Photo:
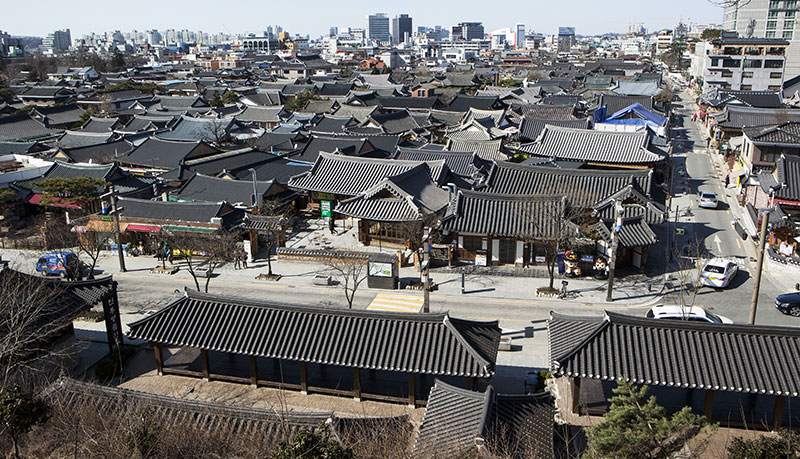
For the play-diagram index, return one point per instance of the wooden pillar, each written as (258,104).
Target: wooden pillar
(470,383)
(253,371)
(303,378)
(158,351)
(412,390)
(204,360)
(777,413)
(357,384)
(709,407)
(575,386)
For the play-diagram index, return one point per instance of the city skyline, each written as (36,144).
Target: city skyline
(543,17)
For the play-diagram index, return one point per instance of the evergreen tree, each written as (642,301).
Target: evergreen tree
(19,413)
(637,427)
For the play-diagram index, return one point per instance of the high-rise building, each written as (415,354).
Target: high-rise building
(566,39)
(767,19)
(334,31)
(59,40)
(154,37)
(401,28)
(467,31)
(520,32)
(378,27)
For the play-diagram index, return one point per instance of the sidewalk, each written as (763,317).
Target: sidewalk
(629,291)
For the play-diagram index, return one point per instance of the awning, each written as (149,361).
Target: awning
(135,227)
(78,229)
(736,173)
(736,142)
(102,226)
(189,229)
(36,198)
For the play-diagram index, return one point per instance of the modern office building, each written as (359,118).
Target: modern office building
(520,35)
(467,31)
(733,62)
(378,27)
(767,19)
(60,40)
(401,28)
(566,39)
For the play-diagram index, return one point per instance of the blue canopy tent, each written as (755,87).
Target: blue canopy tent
(636,114)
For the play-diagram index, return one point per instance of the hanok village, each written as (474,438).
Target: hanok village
(312,212)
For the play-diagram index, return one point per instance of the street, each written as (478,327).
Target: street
(713,229)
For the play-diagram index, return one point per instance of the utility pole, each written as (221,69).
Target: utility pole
(426,262)
(761,244)
(619,209)
(112,195)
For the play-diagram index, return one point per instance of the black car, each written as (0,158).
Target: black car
(789,303)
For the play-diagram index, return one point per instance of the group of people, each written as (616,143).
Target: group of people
(241,260)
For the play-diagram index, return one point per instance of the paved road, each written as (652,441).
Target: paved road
(713,229)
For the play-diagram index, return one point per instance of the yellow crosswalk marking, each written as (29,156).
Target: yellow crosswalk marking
(396,303)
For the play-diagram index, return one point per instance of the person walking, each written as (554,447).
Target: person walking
(243,256)
(237,262)
(331,225)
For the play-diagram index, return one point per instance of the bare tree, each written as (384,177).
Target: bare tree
(351,270)
(203,253)
(32,313)
(281,216)
(216,131)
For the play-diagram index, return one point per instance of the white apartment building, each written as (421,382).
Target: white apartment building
(731,62)
(768,19)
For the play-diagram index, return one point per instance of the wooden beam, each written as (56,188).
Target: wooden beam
(158,351)
(357,384)
(575,386)
(253,371)
(777,413)
(206,368)
(303,378)
(470,383)
(412,390)
(709,407)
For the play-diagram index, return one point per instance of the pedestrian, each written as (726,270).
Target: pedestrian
(727,181)
(332,225)
(237,262)
(244,259)
(708,142)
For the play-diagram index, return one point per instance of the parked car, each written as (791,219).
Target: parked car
(692,313)
(718,273)
(59,263)
(789,303)
(707,199)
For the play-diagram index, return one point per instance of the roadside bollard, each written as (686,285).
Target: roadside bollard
(462,281)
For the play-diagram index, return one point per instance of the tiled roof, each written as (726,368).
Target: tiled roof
(516,425)
(406,102)
(584,187)
(194,129)
(530,128)
(788,171)
(204,188)
(408,196)
(547,112)
(718,97)
(733,117)
(100,125)
(784,134)
(517,217)
(332,124)
(155,152)
(74,139)
(99,154)
(490,150)
(194,212)
(360,113)
(463,103)
(593,146)
(463,163)
(615,103)
(685,354)
(635,231)
(262,114)
(349,176)
(23,127)
(433,344)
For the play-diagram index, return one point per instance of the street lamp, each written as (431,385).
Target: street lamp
(255,192)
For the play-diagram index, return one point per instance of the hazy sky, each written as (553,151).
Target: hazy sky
(315,17)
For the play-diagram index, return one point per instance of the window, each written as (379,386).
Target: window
(727,74)
(789,15)
(773,64)
(790,4)
(787,34)
(746,87)
(769,34)
(747,74)
(753,51)
(772,15)
(774,87)
(774,4)
(752,63)
(788,25)
(775,75)
(731,63)
(715,61)
(473,243)
(772,25)
(732,50)
(776,51)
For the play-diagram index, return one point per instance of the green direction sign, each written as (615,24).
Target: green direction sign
(680,231)
(325,207)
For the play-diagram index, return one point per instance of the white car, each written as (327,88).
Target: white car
(693,313)
(718,273)
(707,199)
